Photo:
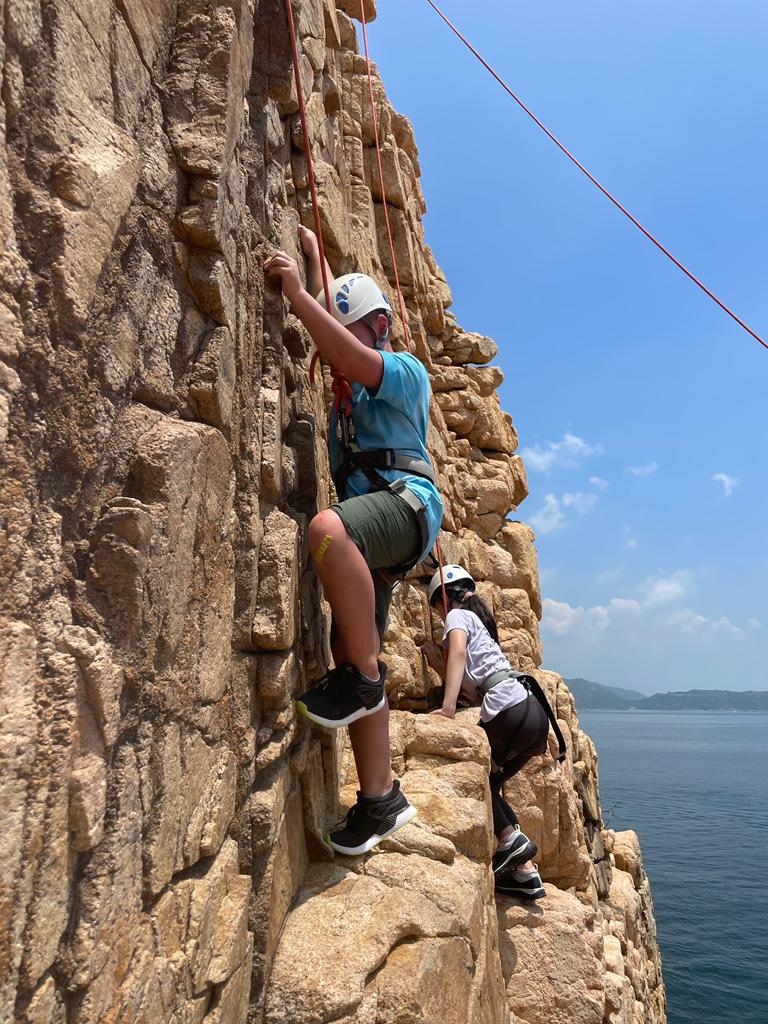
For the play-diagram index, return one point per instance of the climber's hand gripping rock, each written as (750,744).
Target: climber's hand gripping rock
(282,266)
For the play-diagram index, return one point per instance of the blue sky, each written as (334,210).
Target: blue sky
(640,405)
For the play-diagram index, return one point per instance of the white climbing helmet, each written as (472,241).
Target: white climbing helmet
(354,296)
(451,574)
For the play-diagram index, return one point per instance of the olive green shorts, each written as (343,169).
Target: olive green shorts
(386,531)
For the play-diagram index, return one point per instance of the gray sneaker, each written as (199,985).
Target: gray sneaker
(525,886)
(515,849)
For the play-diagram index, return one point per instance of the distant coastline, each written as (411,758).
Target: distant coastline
(598,697)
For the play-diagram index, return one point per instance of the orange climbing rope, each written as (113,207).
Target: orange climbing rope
(342,389)
(400,299)
(375,120)
(594,180)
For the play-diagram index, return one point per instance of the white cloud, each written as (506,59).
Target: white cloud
(589,623)
(599,483)
(563,618)
(754,623)
(691,621)
(610,575)
(579,501)
(658,590)
(551,515)
(647,470)
(628,618)
(728,482)
(631,542)
(566,452)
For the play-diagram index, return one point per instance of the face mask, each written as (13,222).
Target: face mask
(381,339)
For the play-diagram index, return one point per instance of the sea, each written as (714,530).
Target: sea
(693,786)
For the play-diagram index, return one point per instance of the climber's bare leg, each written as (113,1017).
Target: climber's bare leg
(348,587)
(370,744)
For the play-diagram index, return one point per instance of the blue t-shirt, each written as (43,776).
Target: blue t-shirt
(394,416)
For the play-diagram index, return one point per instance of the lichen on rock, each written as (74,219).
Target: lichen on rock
(163,451)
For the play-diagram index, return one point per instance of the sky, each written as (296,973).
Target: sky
(641,406)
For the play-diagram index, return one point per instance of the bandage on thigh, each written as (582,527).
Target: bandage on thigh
(322,547)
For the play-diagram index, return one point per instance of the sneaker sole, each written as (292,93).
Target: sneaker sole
(407,814)
(528,852)
(522,894)
(337,723)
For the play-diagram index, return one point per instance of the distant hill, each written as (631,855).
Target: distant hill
(592,696)
(597,696)
(707,700)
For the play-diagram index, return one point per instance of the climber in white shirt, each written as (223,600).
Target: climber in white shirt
(513,714)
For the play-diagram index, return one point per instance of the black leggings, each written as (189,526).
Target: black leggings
(516,735)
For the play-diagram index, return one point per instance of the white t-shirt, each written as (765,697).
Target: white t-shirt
(484,657)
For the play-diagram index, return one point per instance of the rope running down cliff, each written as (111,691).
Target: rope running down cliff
(594,180)
(342,389)
(374,119)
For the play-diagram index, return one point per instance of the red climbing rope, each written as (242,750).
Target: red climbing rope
(594,180)
(342,389)
(375,119)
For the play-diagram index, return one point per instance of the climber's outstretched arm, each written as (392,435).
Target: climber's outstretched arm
(311,250)
(454,672)
(339,345)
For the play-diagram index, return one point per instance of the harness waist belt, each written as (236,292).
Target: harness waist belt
(534,689)
(390,458)
(499,677)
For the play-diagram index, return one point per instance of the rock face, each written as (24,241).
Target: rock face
(162,453)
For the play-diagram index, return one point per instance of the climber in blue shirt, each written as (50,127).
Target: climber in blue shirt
(386,520)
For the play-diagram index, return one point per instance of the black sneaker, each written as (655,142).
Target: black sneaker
(370,820)
(524,886)
(343,695)
(515,849)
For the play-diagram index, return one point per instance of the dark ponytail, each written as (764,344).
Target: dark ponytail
(469,600)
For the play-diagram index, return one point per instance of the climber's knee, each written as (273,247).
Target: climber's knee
(324,529)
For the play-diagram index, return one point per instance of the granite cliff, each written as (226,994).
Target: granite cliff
(162,453)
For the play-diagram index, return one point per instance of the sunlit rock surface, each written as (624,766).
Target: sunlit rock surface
(162,452)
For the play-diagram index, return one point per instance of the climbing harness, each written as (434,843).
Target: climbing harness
(372,460)
(532,686)
(594,180)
